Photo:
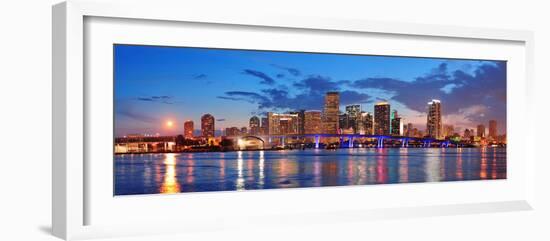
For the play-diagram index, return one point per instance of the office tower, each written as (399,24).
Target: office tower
(409,130)
(343,121)
(467,133)
(434,123)
(207,126)
(232,131)
(188,128)
(448,131)
(265,126)
(382,118)
(353,120)
(300,123)
(396,124)
(480,130)
(312,122)
(244,130)
(282,124)
(493,133)
(368,123)
(330,113)
(254,125)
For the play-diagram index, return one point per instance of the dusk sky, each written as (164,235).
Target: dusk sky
(154,85)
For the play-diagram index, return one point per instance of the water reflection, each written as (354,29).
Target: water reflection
(197,172)
(170,183)
(240,179)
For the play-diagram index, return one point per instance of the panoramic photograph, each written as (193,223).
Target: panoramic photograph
(189,119)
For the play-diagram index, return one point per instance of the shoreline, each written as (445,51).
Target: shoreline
(297,149)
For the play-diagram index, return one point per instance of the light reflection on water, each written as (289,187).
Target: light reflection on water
(246,170)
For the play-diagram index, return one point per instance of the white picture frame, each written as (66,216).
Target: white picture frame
(72,191)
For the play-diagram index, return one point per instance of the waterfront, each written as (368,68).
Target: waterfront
(250,170)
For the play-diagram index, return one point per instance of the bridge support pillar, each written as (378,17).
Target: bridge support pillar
(317,141)
(380,142)
(283,140)
(350,142)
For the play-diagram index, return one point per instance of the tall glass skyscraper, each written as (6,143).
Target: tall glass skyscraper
(382,118)
(188,128)
(207,126)
(434,123)
(330,113)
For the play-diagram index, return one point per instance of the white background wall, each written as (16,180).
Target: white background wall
(25,119)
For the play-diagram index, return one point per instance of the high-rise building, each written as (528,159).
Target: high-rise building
(265,126)
(232,131)
(300,114)
(493,133)
(434,123)
(382,118)
(396,124)
(409,130)
(368,123)
(207,126)
(254,125)
(188,128)
(312,122)
(330,113)
(467,134)
(244,130)
(353,119)
(448,130)
(343,121)
(481,130)
(281,124)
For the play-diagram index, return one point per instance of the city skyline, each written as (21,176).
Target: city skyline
(179,87)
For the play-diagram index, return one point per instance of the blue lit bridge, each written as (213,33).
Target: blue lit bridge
(348,139)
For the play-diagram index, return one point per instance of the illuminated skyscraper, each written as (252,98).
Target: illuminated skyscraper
(480,130)
(493,133)
(188,128)
(396,124)
(353,119)
(382,118)
(368,123)
(300,120)
(448,130)
(244,130)
(254,125)
(330,113)
(232,131)
(281,124)
(207,126)
(409,130)
(312,122)
(265,126)
(434,123)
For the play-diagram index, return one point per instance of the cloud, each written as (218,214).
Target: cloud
(310,95)
(467,117)
(220,119)
(457,90)
(293,71)
(265,79)
(200,76)
(280,76)
(164,99)
(317,84)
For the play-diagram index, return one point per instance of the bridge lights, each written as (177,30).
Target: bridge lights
(240,143)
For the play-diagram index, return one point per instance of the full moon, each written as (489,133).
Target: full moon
(169,123)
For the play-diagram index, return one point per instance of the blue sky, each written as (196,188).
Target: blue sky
(154,85)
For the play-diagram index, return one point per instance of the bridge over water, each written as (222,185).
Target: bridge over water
(426,142)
